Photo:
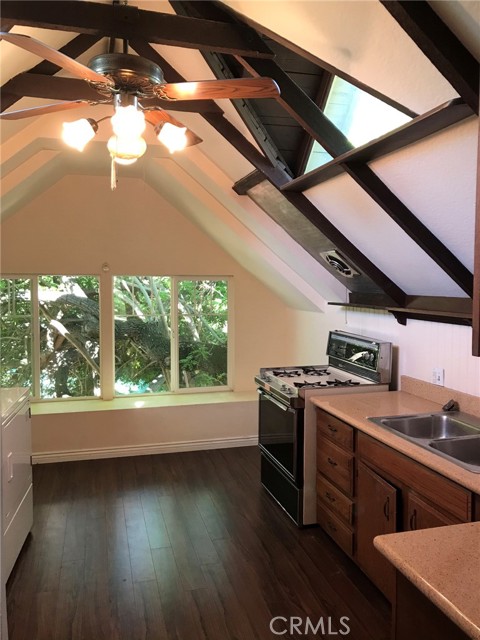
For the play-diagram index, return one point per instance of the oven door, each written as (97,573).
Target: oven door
(280,436)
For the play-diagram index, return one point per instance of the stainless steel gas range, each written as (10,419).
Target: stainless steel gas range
(287,425)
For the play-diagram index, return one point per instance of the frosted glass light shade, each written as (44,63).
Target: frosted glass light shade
(126,150)
(79,132)
(173,137)
(128,122)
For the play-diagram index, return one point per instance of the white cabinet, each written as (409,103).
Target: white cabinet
(16,493)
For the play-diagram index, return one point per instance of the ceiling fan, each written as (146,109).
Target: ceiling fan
(123,80)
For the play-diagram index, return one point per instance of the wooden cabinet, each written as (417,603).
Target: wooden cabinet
(365,489)
(422,515)
(335,479)
(376,515)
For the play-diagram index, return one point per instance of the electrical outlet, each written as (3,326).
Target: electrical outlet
(438,376)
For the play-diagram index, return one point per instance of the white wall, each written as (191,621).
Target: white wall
(79,224)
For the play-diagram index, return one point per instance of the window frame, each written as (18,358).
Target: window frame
(107,337)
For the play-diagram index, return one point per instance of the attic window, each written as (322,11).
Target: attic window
(359,116)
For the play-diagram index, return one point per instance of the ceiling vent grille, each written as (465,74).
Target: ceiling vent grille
(338,262)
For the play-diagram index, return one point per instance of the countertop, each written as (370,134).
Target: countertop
(10,400)
(355,408)
(444,564)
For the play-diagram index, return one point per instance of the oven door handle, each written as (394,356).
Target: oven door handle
(268,397)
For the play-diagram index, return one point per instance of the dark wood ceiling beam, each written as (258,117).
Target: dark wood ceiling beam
(323,91)
(221,69)
(129,22)
(431,122)
(274,174)
(73,49)
(411,225)
(312,213)
(56,88)
(300,106)
(307,208)
(440,45)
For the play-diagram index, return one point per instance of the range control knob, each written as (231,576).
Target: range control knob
(284,387)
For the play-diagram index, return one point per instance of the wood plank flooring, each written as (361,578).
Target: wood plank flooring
(178,547)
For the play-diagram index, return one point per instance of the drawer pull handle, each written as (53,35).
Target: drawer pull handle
(332,429)
(332,462)
(10,467)
(331,526)
(329,497)
(413,520)
(386,509)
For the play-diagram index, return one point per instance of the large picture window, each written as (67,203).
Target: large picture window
(165,334)
(150,356)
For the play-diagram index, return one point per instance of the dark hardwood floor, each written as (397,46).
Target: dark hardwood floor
(178,547)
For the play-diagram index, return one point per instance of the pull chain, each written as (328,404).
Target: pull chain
(113,176)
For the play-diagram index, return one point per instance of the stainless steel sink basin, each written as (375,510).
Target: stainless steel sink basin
(453,435)
(430,427)
(466,450)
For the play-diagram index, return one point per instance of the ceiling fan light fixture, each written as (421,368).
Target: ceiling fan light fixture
(77,134)
(126,150)
(128,122)
(173,137)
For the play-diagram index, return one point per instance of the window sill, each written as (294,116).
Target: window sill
(141,402)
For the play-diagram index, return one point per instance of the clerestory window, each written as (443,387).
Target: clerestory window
(358,115)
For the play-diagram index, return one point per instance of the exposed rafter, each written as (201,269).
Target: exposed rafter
(129,22)
(422,126)
(301,107)
(440,45)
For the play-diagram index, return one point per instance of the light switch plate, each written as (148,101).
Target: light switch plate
(438,376)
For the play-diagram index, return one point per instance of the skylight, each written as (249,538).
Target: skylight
(358,115)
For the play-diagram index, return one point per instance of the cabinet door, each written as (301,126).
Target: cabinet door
(421,515)
(376,515)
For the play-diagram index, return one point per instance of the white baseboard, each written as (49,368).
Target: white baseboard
(142,450)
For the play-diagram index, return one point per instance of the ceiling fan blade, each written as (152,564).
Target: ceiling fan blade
(158,116)
(41,111)
(56,57)
(217,89)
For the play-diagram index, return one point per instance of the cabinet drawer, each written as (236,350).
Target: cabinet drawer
(336,464)
(335,528)
(335,430)
(334,499)
(443,493)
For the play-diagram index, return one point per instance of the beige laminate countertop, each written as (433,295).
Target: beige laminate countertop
(355,408)
(444,564)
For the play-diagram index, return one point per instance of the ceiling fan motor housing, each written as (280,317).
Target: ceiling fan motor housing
(131,74)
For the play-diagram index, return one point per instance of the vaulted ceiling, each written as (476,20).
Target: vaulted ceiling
(400,210)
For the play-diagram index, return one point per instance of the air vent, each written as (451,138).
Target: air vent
(339,263)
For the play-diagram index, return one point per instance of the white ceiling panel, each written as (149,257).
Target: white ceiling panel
(436,180)
(374,233)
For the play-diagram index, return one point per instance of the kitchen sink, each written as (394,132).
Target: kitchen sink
(465,449)
(451,434)
(429,426)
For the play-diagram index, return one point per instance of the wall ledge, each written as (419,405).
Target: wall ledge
(141,450)
(140,402)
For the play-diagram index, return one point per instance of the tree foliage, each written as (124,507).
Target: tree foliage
(69,315)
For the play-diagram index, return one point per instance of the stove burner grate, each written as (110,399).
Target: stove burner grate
(287,373)
(315,371)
